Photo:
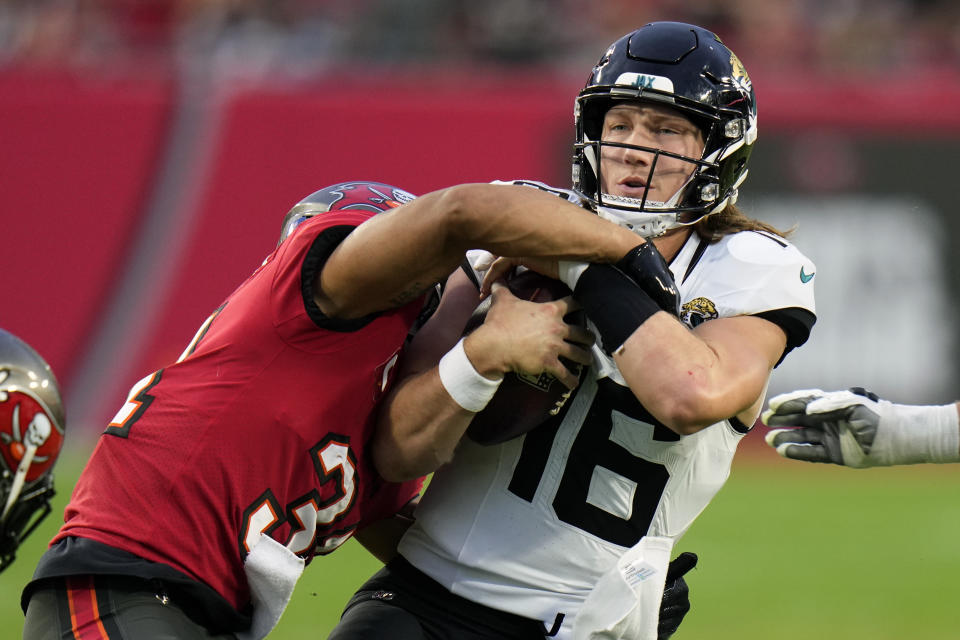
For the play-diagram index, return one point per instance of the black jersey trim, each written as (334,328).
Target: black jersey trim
(697,254)
(738,425)
(770,236)
(430,304)
(323,245)
(471,272)
(796,322)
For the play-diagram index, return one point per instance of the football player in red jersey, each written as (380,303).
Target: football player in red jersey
(228,469)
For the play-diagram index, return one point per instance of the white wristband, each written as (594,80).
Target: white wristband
(569,272)
(465,385)
(911,434)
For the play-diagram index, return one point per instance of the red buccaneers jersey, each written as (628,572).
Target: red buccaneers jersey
(261,426)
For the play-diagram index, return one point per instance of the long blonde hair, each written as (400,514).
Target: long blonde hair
(731,220)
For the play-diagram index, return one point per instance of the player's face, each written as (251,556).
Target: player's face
(626,172)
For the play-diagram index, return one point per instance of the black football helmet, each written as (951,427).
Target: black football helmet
(689,69)
(31,436)
(362,194)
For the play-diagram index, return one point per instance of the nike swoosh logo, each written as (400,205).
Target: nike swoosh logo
(804,278)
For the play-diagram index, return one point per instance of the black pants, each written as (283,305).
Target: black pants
(401,603)
(108,607)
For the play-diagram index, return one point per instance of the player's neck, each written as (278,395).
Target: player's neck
(669,244)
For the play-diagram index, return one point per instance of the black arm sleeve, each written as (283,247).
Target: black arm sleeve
(614,302)
(796,322)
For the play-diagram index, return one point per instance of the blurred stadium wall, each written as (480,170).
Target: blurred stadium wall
(134,201)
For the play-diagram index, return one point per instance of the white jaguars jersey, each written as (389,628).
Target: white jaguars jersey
(530,525)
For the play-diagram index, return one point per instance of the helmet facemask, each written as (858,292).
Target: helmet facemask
(645,215)
(31,506)
(688,70)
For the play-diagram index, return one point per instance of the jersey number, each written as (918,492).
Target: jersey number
(599,457)
(138,400)
(333,461)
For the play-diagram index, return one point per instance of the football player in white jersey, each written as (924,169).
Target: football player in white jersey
(566,531)
(856,428)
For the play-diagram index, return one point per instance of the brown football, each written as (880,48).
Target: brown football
(522,403)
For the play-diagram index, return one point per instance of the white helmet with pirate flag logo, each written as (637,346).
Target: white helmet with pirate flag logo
(31,436)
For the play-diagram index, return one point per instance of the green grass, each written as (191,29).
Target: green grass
(790,550)
(787,551)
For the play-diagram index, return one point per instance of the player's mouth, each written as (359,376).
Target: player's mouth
(632,186)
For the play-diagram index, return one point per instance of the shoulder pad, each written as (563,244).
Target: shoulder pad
(752,272)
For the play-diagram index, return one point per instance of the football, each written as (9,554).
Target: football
(523,402)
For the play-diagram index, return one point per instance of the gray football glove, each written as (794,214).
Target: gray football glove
(855,428)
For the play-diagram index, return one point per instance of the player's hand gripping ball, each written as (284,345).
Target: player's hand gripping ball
(524,402)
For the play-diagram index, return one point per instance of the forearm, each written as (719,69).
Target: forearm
(691,379)
(418,428)
(406,444)
(687,380)
(510,220)
(393,257)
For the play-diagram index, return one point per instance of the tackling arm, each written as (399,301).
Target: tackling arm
(393,257)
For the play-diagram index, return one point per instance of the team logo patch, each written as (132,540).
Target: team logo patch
(698,311)
(541,381)
(740,77)
(368,197)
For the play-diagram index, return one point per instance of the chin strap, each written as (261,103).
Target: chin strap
(645,224)
(650,224)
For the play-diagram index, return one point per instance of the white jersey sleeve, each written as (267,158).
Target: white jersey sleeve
(747,273)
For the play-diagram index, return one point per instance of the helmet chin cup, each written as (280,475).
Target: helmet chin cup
(647,224)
